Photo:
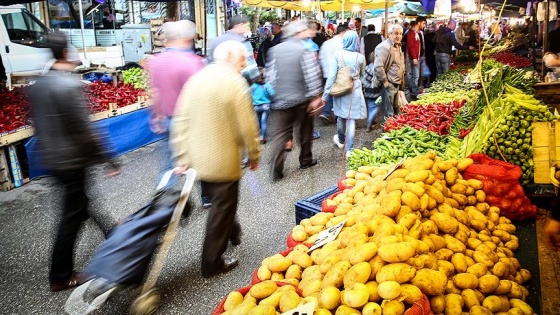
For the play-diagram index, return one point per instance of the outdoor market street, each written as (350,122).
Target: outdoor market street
(266,212)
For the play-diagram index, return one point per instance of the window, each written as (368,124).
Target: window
(23,28)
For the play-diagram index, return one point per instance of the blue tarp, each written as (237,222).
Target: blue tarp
(408,8)
(126,133)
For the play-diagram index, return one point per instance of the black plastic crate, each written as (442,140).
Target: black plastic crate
(310,206)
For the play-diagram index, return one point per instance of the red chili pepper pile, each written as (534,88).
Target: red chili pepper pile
(434,117)
(99,95)
(513,60)
(14,109)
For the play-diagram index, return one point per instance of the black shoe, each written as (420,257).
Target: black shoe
(277,176)
(227,265)
(308,165)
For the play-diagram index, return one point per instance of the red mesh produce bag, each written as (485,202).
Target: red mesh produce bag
(342,185)
(255,277)
(501,186)
(290,242)
(324,206)
(420,307)
(220,308)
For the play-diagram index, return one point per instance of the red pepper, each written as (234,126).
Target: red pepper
(464,132)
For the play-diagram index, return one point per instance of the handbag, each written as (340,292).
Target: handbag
(344,83)
(401,99)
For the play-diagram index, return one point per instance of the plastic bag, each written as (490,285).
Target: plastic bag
(425,70)
(501,186)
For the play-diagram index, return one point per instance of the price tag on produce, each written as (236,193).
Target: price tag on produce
(394,168)
(305,309)
(327,236)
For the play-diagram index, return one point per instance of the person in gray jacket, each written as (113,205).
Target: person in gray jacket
(296,76)
(238,26)
(389,69)
(67,144)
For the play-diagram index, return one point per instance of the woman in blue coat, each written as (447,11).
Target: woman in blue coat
(351,106)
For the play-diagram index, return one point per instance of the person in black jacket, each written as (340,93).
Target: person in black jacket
(430,52)
(369,42)
(67,144)
(445,40)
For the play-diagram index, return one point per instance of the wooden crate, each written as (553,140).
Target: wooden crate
(548,93)
(6,182)
(18,135)
(546,147)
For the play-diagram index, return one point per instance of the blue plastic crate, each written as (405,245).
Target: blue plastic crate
(310,206)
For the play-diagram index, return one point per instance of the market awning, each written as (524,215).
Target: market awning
(329,5)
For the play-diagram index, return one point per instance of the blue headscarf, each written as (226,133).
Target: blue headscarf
(350,41)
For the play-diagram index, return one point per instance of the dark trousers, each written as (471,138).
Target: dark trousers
(282,128)
(74,212)
(221,224)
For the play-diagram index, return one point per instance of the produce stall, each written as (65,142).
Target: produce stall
(118,107)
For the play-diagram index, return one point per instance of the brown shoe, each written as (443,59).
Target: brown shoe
(74,281)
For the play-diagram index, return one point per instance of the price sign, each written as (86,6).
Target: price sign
(327,236)
(305,309)
(394,168)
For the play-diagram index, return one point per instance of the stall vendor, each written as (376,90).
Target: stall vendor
(552,61)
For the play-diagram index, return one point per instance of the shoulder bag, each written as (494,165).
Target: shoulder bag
(344,83)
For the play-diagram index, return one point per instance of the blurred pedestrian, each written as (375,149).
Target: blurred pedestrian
(415,50)
(295,74)
(238,28)
(265,45)
(277,33)
(262,93)
(371,94)
(444,41)
(351,106)
(213,124)
(68,144)
(369,42)
(326,55)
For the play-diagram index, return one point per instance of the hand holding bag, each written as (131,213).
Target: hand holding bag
(315,106)
(344,83)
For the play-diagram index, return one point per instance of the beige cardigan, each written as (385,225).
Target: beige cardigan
(214,123)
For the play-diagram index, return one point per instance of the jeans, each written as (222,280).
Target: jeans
(414,76)
(442,63)
(327,110)
(346,128)
(262,115)
(372,111)
(389,100)
(74,212)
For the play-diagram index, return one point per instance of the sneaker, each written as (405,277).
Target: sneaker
(316,135)
(338,144)
(206,202)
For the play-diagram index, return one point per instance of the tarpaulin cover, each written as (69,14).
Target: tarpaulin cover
(126,132)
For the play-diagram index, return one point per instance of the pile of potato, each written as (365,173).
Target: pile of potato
(423,230)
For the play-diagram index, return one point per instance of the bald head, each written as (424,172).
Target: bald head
(231,53)
(179,34)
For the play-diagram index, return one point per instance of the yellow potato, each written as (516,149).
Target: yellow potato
(355,297)
(233,299)
(359,273)
(445,222)
(393,307)
(263,310)
(302,259)
(504,287)
(263,289)
(398,252)
(459,262)
(273,300)
(311,287)
(391,204)
(454,244)
(335,275)
(437,304)
(470,298)
(399,272)
(329,297)
(410,293)
(451,176)
(346,310)
(389,290)
(463,163)
(520,304)
(488,283)
(478,269)
(288,301)
(371,308)
(465,281)
(453,304)
(430,282)
(417,176)
(244,308)
(479,310)
(363,253)
(492,303)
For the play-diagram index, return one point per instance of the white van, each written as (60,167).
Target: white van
(23,42)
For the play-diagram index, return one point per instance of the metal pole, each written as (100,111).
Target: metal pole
(82,27)
(546,3)
(342,11)
(386,19)
(205,28)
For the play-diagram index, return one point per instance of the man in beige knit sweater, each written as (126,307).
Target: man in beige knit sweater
(213,126)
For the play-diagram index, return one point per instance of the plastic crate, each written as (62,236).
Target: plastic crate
(310,206)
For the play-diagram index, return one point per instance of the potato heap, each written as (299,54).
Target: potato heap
(424,229)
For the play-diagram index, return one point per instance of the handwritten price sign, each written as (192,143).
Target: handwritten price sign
(327,236)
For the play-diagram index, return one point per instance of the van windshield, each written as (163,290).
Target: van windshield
(23,28)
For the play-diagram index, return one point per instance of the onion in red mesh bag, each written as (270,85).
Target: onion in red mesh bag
(420,307)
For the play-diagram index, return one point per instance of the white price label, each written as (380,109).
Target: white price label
(327,236)
(305,309)
(394,168)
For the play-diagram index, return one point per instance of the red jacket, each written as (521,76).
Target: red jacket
(413,44)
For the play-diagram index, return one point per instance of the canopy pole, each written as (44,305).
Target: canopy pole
(546,3)
(386,27)
(82,27)
(342,11)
